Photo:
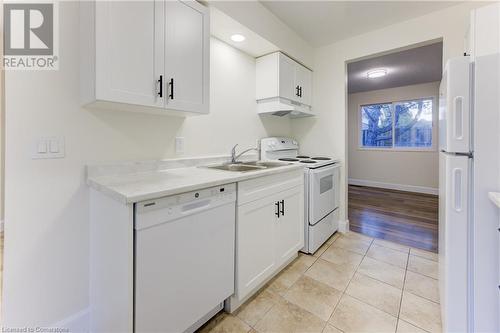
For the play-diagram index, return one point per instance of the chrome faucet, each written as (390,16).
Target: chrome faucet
(234,157)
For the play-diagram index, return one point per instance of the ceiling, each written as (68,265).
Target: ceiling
(223,27)
(324,22)
(418,65)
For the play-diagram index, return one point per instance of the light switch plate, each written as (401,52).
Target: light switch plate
(49,147)
(179,145)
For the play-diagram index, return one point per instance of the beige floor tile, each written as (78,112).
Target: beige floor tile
(330,329)
(358,236)
(333,238)
(392,245)
(357,245)
(379,294)
(255,309)
(322,249)
(341,257)
(381,271)
(287,277)
(420,312)
(388,255)
(352,315)
(404,327)
(423,266)
(225,323)
(424,254)
(288,317)
(305,259)
(333,275)
(422,285)
(314,296)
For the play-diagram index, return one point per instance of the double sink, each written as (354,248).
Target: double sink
(247,166)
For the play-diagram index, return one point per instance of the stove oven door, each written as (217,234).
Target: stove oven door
(323,192)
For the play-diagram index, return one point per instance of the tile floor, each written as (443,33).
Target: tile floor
(353,283)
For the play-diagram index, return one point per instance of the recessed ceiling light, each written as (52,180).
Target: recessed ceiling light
(237,38)
(376,73)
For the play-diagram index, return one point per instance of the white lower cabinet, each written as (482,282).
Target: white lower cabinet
(269,230)
(289,227)
(255,242)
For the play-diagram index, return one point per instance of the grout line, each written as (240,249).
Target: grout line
(349,282)
(403,289)
(427,299)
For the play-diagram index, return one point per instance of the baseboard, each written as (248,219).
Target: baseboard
(399,187)
(76,323)
(344,226)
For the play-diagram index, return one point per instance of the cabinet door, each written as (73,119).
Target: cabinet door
(290,225)
(303,78)
(129,58)
(255,243)
(187,54)
(287,84)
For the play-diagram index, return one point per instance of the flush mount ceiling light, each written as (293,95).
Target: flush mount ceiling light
(373,74)
(237,38)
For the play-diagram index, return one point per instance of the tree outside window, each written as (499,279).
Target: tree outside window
(405,124)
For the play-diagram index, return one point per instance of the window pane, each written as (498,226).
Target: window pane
(376,125)
(413,123)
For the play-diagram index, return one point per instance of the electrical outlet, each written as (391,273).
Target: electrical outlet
(179,145)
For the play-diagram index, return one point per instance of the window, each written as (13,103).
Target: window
(397,125)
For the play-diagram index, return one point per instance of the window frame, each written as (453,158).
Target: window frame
(432,148)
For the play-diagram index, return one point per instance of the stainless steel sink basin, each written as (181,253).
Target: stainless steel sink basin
(237,167)
(247,166)
(267,164)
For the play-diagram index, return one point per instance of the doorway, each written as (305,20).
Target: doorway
(393,168)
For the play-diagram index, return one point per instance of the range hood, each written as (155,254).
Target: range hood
(281,107)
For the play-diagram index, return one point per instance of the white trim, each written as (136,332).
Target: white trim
(343,226)
(77,322)
(399,187)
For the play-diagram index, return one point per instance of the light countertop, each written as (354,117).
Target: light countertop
(139,186)
(495,197)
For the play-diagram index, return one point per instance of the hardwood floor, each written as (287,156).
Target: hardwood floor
(402,217)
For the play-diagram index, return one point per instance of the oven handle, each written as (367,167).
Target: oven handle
(325,170)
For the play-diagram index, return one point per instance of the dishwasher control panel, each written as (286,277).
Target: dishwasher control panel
(150,212)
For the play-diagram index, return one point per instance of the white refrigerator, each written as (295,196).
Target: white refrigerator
(468,170)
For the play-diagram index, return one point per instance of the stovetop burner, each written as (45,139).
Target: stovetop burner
(321,158)
(303,156)
(308,161)
(288,159)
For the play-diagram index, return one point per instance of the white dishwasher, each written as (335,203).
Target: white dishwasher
(184,259)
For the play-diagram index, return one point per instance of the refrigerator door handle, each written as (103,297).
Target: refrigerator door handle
(457,189)
(458,124)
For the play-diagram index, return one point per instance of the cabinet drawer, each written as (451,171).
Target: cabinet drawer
(254,189)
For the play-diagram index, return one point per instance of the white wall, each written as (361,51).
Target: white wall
(327,133)
(46,229)
(418,169)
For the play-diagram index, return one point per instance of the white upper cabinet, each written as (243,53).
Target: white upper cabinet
(286,84)
(150,56)
(279,76)
(187,56)
(303,82)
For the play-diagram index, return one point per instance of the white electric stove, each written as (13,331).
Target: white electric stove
(321,192)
